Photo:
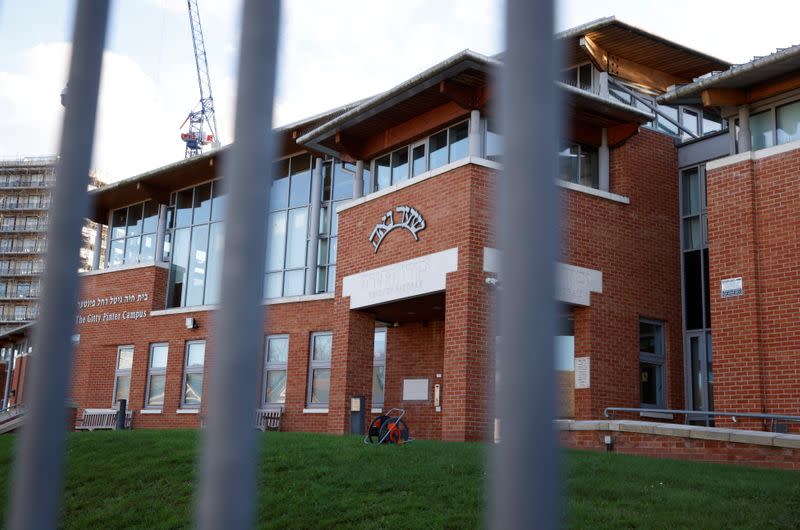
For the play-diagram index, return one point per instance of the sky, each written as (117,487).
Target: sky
(332,52)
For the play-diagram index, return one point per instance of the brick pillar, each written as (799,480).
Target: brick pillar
(351,365)
(467,400)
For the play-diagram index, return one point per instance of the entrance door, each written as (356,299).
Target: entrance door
(699,375)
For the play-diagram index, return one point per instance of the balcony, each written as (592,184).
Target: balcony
(40,227)
(37,206)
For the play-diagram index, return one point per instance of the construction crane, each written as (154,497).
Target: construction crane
(202,122)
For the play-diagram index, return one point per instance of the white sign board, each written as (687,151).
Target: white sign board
(415,389)
(582,372)
(405,279)
(732,287)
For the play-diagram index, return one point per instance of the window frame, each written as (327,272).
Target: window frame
(317,365)
(274,367)
(122,372)
(187,370)
(155,371)
(380,362)
(656,359)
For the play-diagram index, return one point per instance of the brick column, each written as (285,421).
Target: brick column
(467,397)
(351,365)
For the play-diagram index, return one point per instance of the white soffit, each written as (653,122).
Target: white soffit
(398,281)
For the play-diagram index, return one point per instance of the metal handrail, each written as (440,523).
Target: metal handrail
(608,413)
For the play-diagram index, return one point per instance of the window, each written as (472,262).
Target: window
(319,373)
(193,374)
(276,357)
(442,148)
(337,187)
(287,227)
(493,142)
(197,242)
(156,376)
(577,163)
(788,117)
(379,368)
(578,76)
(761,130)
(122,375)
(651,363)
(133,234)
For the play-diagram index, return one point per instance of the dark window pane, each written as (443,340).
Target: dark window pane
(279,195)
(706,289)
(650,375)
(586,77)
(437,150)
(590,175)
(384,173)
(180,260)
(202,203)
(788,118)
(693,285)
(118,223)
(399,165)
(218,200)
(135,220)
(459,141)
(418,160)
(691,192)
(301,181)
(327,182)
(651,338)
(569,77)
(342,183)
(183,208)
(568,162)
(150,217)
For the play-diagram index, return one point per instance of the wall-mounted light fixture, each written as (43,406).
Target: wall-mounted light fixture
(191,323)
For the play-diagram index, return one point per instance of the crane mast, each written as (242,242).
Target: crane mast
(202,122)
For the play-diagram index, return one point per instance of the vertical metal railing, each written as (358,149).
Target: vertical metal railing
(524,475)
(40,448)
(524,481)
(227,469)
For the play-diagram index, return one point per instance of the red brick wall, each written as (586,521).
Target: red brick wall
(637,248)
(753,220)
(660,446)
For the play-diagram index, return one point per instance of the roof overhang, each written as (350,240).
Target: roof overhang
(14,335)
(742,84)
(636,55)
(587,114)
(461,81)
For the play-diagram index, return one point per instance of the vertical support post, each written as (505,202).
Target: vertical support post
(604,161)
(98,247)
(313,228)
(474,138)
(526,319)
(744,129)
(40,448)
(9,370)
(161,231)
(110,235)
(226,496)
(358,181)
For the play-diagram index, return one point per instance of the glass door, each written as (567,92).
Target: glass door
(700,376)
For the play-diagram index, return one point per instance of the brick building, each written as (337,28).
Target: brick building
(381,269)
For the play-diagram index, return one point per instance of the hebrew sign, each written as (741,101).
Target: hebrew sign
(410,219)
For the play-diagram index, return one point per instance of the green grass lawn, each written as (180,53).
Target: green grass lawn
(146,479)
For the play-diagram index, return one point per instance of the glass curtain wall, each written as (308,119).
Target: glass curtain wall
(133,234)
(337,187)
(197,245)
(696,290)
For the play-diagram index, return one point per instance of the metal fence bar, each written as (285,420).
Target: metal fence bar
(40,449)
(228,461)
(609,413)
(525,478)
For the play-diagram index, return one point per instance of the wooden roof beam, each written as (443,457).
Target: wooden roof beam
(156,193)
(718,97)
(466,97)
(627,69)
(346,145)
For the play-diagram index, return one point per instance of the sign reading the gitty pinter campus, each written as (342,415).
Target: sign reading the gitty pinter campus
(111,316)
(410,219)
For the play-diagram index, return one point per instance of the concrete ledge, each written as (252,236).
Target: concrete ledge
(679,430)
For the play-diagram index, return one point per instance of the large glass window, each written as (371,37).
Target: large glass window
(276,358)
(761,130)
(788,117)
(337,177)
(196,245)
(287,228)
(133,234)
(379,368)
(449,145)
(156,376)
(577,163)
(122,374)
(651,363)
(319,373)
(193,374)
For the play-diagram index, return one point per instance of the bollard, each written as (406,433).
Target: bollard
(123,405)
